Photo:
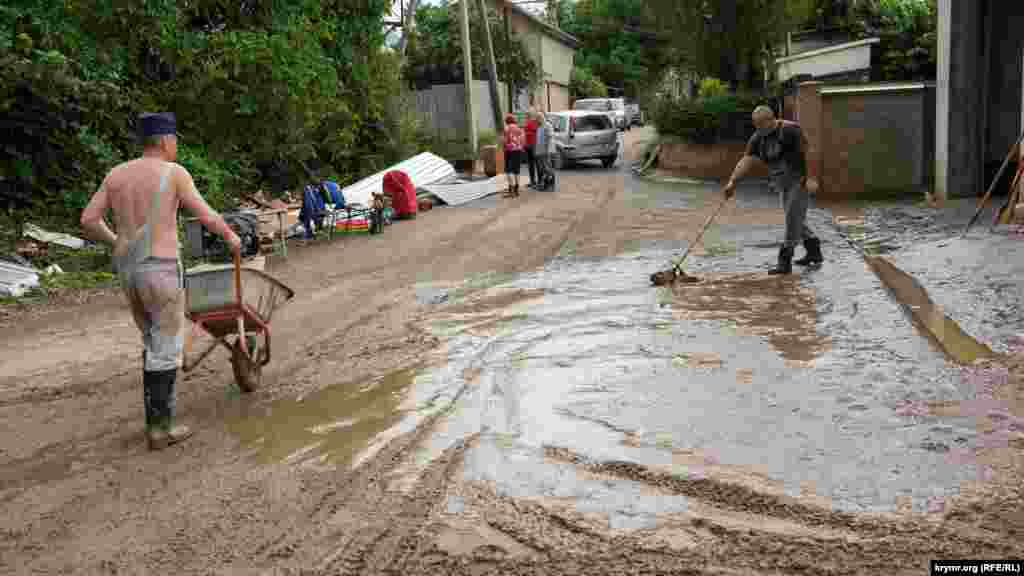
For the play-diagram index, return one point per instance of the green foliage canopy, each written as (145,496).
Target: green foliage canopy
(258,87)
(436,43)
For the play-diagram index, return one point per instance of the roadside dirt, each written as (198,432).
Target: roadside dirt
(81,494)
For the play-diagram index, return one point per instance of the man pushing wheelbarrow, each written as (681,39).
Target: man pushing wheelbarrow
(144,195)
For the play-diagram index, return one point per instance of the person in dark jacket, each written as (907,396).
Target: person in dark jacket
(312,211)
(782,145)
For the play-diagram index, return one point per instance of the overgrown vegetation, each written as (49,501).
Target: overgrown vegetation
(257,88)
(584,84)
(711,117)
(434,51)
(907,32)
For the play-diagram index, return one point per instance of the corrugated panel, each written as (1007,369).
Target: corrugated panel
(15,280)
(423,169)
(455,194)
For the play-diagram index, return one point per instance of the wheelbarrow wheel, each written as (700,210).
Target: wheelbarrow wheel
(248,373)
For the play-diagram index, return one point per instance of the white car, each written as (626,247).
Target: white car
(584,135)
(613,107)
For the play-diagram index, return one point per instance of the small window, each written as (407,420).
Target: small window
(592,123)
(590,105)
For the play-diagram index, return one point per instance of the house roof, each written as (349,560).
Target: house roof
(556,33)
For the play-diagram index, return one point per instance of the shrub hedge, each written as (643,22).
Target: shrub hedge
(706,120)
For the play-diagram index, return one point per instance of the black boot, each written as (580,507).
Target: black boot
(785,265)
(813,257)
(160,403)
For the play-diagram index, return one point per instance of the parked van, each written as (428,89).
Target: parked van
(614,107)
(584,135)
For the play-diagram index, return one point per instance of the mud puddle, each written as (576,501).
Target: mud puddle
(792,384)
(328,427)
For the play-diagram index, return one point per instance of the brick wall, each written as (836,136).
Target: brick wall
(789,107)
(872,141)
(706,161)
(808,115)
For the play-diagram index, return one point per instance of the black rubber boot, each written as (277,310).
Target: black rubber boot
(813,257)
(160,403)
(149,394)
(785,265)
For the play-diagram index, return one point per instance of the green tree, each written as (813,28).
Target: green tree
(258,87)
(726,39)
(583,84)
(907,32)
(435,44)
(618,56)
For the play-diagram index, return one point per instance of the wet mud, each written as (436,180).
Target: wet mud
(524,402)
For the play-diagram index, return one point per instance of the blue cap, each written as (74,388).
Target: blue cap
(156,124)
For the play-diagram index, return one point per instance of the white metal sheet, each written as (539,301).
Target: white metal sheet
(422,169)
(455,194)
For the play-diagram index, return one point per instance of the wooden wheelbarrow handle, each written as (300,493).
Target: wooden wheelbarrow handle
(238,300)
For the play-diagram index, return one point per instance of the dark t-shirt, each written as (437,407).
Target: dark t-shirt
(781,149)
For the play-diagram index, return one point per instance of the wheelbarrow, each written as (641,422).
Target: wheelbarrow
(234,305)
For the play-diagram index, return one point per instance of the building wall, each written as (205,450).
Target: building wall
(526,32)
(706,161)
(554,58)
(557,60)
(874,143)
(827,61)
(960,77)
(868,142)
(1004,92)
(808,115)
(445,108)
(558,97)
(980,101)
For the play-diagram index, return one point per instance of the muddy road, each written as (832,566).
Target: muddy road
(496,389)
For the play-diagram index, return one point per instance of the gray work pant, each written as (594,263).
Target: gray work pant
(795,200)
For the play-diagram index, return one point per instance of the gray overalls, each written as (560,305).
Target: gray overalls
(155,293)
(786,180)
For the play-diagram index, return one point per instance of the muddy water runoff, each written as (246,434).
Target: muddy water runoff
(797,385)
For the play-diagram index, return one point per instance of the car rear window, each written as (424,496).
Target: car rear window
(599,105)
(592,123)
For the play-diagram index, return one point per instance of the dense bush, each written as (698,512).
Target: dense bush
(584,84)
(711,88)
(258,88)
(705,120)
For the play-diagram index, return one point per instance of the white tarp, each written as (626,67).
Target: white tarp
(422,169)
(37,233)
(462,192)
(16,280)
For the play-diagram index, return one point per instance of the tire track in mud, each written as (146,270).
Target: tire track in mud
(566,543)
(882,536)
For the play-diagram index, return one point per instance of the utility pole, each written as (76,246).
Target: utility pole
(492,69)
(508,34)
(467,67)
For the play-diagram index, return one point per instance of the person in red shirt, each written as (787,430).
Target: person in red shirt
(531,143)
(515,141)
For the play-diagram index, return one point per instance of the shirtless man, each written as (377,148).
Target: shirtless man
(144,195)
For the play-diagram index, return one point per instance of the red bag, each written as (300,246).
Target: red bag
(402,191)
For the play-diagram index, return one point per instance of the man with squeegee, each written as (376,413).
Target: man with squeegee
(782,145)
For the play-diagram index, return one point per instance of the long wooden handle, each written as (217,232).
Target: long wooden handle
(992,186)
(238,278)
(238,296)
(700,235)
